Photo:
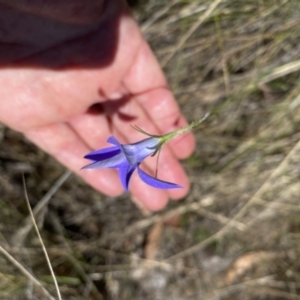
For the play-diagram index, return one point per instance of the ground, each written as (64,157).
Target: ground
(237,234)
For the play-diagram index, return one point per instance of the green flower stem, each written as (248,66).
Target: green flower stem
(168,136)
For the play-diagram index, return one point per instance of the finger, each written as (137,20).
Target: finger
(165,114)
(67,147)
(145,80)
(150,198)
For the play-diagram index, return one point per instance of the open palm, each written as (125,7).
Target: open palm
(68,83)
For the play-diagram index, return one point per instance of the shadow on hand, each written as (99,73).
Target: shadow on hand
(110,108)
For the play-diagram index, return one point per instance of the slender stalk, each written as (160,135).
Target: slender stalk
(41,240)
(168,136)
(25,272)
(189,127)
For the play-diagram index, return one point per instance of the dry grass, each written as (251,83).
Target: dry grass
(237,234)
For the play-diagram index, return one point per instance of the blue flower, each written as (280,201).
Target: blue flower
(127,158)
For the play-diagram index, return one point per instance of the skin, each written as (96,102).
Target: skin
(72,74)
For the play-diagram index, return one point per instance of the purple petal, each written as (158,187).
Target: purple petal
(125,172)
(111,162)
(114,141)
(156,182)
(103,154)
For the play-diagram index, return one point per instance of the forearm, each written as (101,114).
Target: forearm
(67,11)
(28,28)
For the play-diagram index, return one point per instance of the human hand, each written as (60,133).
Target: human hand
(70,80)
